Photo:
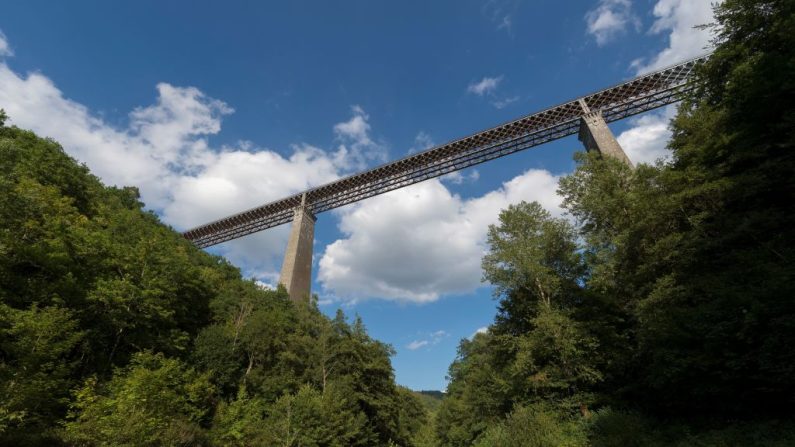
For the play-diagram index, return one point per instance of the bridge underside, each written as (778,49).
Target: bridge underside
(636,96)
(587,116)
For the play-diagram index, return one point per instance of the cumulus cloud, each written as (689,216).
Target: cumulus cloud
(233,179)
(484,86)
(421,242)
(646,140)
(163,141)
(610,19)
(458,178)
(238,179)
(679,18)
(164,151)
(357,149)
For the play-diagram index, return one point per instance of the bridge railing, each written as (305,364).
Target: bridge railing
(637,95)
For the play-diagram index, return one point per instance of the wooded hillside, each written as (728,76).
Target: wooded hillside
(114,330)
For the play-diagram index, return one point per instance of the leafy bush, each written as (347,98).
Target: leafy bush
(535,426)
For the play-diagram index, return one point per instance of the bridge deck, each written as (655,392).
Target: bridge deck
(638,95)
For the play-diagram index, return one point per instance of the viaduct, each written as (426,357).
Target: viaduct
(586,116)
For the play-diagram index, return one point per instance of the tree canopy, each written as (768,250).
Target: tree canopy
(663,303)
(115,330)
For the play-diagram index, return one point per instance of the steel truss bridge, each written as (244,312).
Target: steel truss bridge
(635,96)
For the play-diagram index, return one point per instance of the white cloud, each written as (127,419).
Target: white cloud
(486,85)
(432,339)
(417,344)
(679,18)
(265,285)
(422,142)
(458,178)
(163,142)
(505,102)
(610,19)
(415,244)
(5,48)
(165,152)
(480,330)
(235,179)
(357,149)
(238,179)
(646,140)
(421,242)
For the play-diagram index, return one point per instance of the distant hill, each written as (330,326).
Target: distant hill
(430,398)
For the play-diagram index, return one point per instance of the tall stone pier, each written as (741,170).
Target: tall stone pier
(596,136)
(296,273)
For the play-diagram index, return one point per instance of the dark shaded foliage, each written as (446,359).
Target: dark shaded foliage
(675,297)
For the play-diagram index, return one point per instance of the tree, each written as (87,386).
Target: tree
(153,401)
(115,330)
(537,350)
(37,346)
(535,426)
(531,252)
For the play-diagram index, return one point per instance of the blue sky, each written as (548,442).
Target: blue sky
(211,109)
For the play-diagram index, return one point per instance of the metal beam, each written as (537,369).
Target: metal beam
(638,95)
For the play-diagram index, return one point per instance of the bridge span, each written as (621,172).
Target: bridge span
(586,116)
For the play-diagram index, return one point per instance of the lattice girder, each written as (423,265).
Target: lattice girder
(638,95)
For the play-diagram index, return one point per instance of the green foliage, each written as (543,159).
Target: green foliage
(733,144)
(306,418)
(115,330)
(431,399)
(478,395)
(535,426)
(610,428)
(672,294)
(530,251)
(555,359)
(37,346)
(81,266)
(153,401)
(292,359)
(537,350)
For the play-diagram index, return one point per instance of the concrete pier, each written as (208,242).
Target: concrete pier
(596,136)
(296,275)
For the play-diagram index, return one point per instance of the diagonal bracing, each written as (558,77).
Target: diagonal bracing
(638,95)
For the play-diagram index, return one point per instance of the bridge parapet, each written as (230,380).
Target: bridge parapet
(635,96)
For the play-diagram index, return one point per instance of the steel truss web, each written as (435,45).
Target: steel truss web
(638,95)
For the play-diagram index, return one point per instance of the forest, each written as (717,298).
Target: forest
(115,330)
(660,311)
